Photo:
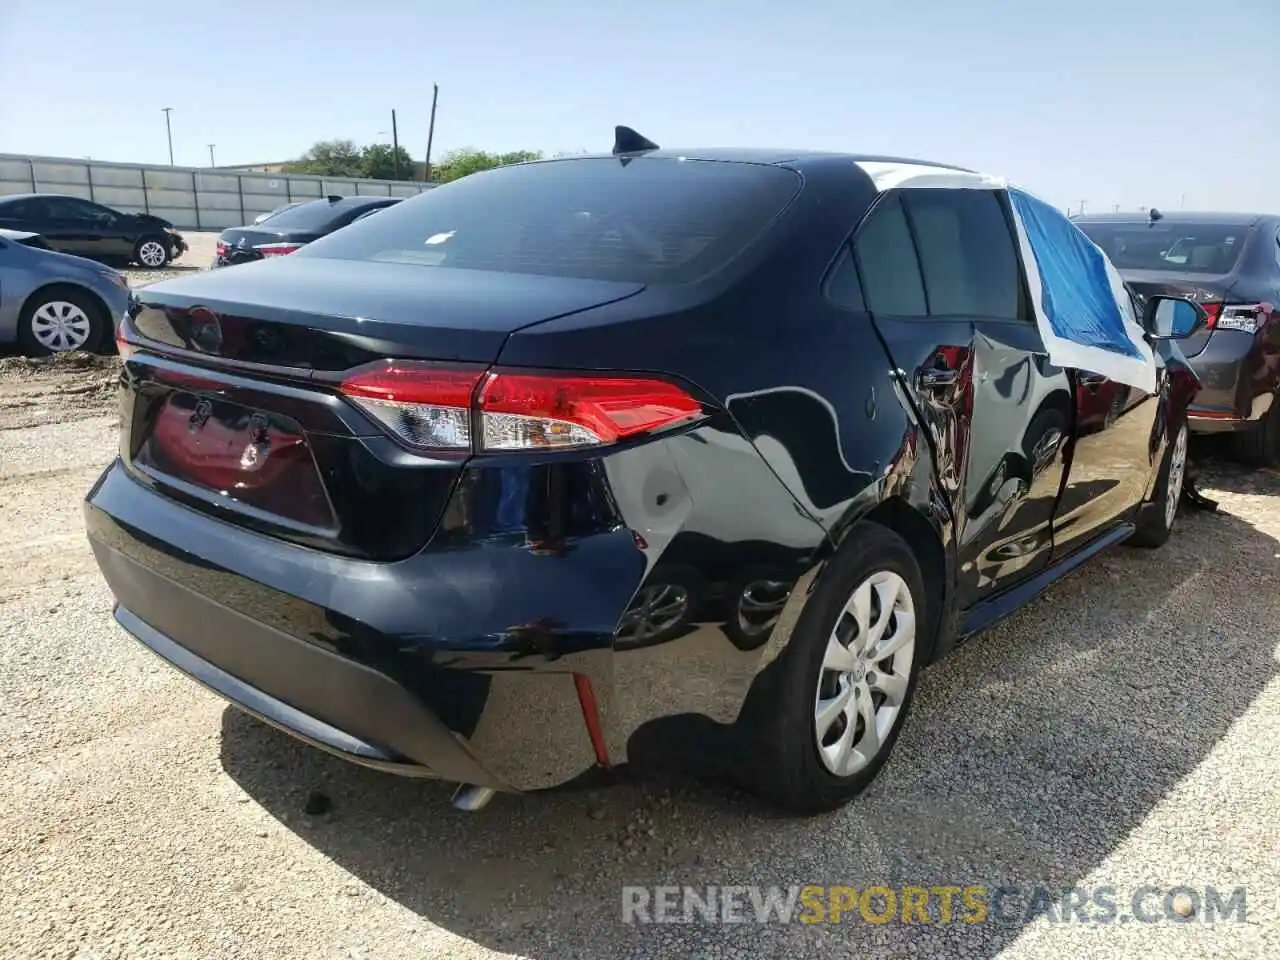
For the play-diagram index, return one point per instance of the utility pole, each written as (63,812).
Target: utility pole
(395,144)
(168,130)
(1082,207)
(431,132)
(212,163)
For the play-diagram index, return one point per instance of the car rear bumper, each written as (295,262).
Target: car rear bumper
(521,647)
(425,734)
(324,648)
(1237,385)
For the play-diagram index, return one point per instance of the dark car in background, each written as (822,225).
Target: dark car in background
(77,226)
(51,302)
(1229,263)
(567,464)
(287,229)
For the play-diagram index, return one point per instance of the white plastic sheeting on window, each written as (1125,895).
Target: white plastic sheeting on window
(1082,308)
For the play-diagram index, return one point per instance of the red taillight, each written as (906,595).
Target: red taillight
(519,411)
(423,405)
(277,249)
(1214,310)
(432,407)
(222,248)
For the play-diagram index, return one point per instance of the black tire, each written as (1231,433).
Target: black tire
(1259,446)
(1155,520)
(33,311)
(143,251)
(781,762)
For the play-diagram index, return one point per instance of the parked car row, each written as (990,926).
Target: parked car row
(51,304)
(580,463)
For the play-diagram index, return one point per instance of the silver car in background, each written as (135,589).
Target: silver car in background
(53,302)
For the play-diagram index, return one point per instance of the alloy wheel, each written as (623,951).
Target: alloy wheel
(59,326)
(1177,471)
(865,673)
(656,609)
(151,254)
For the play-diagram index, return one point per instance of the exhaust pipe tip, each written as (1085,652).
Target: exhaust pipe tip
(470,798)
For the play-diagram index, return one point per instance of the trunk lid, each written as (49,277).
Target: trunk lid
(1198,287)
(231,403)
(238,244)
(330,315)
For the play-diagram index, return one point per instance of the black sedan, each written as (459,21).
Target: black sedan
(76,226)
(568,464)
(287,229)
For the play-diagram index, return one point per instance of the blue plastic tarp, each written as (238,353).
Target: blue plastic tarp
(1075,285)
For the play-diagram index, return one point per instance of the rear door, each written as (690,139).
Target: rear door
(40,215)
(73,226)
(113,231)
(943,282)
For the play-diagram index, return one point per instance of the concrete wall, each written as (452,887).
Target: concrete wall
(193,198)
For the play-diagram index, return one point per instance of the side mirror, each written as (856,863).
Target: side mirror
(1173,318)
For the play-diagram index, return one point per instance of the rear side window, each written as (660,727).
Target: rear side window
(887,259)
(651,220)
(967,254)
(843,286)
(1209,248)
(19,208)
(315,215)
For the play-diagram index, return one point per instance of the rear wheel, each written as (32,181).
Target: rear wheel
(1260,445)
(843,686)
(152,252)
(1156,520)
(59,320)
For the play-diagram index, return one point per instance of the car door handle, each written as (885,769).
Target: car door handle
(1092,381)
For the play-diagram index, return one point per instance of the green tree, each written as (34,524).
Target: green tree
(467,160)
(378,161)
(330,158)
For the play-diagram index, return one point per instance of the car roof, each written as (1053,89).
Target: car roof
(763,155)
(1176,216)
(56,196)
(361,201)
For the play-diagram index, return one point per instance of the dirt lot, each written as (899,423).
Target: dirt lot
(1123,730)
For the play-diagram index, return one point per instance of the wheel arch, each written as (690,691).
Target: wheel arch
(927,543)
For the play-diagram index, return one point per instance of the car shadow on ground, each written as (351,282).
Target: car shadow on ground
(1030,754)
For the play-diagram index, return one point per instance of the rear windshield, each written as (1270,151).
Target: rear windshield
(650,220)
(315,215)
(1172,247)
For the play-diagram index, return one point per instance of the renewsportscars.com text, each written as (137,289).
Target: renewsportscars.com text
(940,904)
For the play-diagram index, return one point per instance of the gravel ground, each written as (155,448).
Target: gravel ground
(1123,730)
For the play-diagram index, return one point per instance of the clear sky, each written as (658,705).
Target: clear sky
(1131,102)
